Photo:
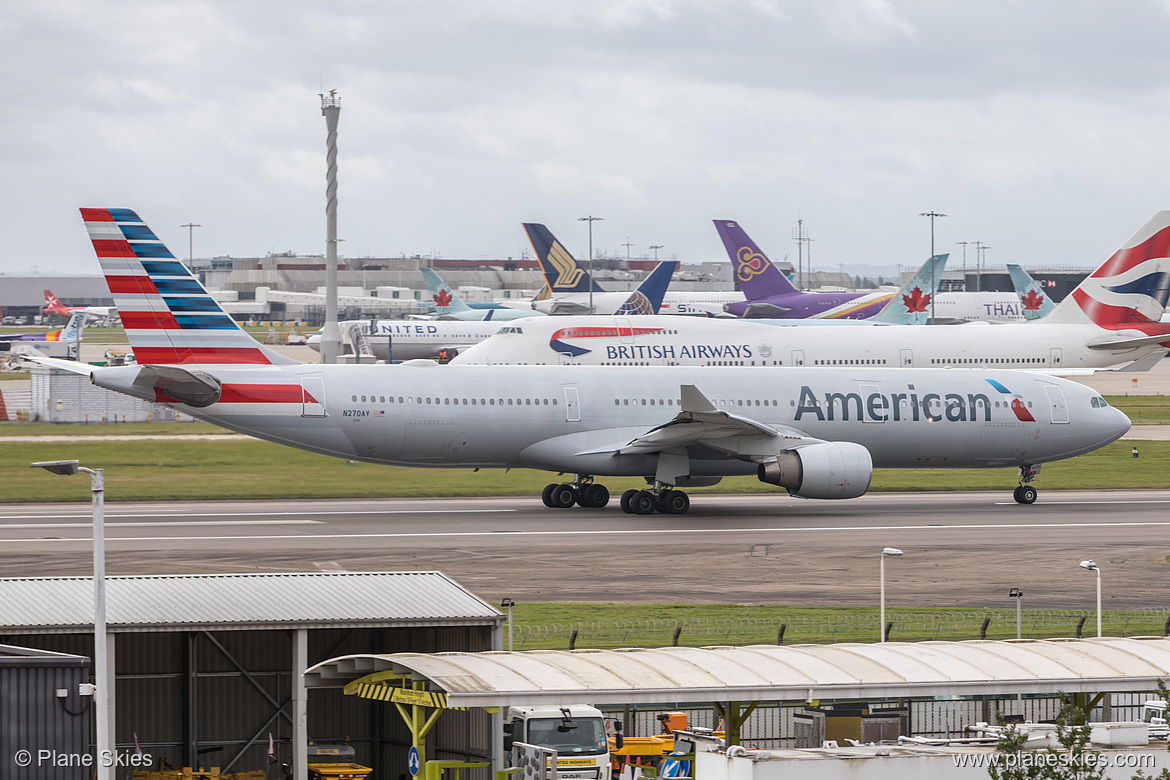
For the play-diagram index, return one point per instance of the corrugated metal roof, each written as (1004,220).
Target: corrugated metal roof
(772,673)
(236,601)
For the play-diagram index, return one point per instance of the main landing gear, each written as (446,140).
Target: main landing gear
(647,502)
(582,491)
(1025,493)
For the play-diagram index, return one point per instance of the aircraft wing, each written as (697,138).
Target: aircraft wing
(1130,342)
(765,310)
(564,308)
(699,423)
(72,366)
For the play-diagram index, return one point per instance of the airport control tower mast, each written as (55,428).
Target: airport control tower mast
(331,336)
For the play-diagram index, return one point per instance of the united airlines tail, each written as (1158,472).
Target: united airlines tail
(561,271)
(1129,291)
(912,306)
(1033,300)
(446,300)
(168,316)
(647,299)
(756,275)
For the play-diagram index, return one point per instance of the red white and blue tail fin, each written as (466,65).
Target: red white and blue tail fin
(1129,291)
(168,315)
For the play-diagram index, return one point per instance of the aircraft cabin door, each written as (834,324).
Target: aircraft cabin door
(907,358)
(572,405)
(312,396)
(1056,404)
(798,357)
(623,324)
(1054,355)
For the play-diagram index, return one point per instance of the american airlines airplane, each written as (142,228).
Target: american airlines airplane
(1109,322)
(569,285)
(817,432)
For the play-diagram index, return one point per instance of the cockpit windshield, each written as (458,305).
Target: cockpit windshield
(587,737)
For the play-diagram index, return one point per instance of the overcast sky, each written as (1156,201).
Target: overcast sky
(1041,128)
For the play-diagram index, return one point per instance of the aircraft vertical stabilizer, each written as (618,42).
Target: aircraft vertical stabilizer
(561,271)
(1130,289)
(647,299)
(168,316)
(912,305)
(1034,302)
(757,276)
(446,300)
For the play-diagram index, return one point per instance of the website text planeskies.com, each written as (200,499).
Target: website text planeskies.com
(1049,759)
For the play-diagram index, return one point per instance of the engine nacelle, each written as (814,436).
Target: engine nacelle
(829,470)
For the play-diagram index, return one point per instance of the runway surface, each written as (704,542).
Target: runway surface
(962,549)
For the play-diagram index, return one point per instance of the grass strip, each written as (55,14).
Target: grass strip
(552,625)
(245,468)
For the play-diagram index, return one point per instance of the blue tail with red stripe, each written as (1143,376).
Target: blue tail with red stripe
(169,317)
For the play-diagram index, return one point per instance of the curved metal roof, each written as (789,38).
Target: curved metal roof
(771,673)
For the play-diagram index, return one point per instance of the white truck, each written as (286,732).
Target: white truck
(575,731)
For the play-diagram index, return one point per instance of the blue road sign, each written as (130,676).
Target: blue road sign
(413,763)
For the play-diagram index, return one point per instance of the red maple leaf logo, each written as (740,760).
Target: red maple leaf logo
(442,298)
(1032,301)
(915,301)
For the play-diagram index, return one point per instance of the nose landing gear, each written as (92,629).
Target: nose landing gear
(1025,493)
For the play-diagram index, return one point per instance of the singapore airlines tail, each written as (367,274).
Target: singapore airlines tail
(561,271)
(1128,292)
(169,318)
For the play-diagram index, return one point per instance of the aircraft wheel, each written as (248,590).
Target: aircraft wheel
(1025,494)
(595,496)
(627,497)
(546,496)
(563,496)
(644,503)
(675,502)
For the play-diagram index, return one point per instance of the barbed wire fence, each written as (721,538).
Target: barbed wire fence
(802,629)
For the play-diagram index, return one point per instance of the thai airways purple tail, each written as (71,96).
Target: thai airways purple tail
(756,275)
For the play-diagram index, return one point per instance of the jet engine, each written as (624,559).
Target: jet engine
(828,470)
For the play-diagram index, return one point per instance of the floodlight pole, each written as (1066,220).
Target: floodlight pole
(1018,595)
(591,219)
(104,765)
(1091,566)
(508,604)
(888,551)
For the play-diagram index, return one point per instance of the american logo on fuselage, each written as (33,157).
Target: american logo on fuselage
(911,406)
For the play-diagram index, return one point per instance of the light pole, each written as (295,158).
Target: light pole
(887,552)
(508,603)
(656,247)
(591,219)
(190,242)
(1018,595)
(932,215)
(101,696)
(1094,567)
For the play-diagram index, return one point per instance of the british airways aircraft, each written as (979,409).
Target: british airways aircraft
(817,432)
(1111,321)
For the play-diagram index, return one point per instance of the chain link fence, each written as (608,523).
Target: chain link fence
(799,629)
